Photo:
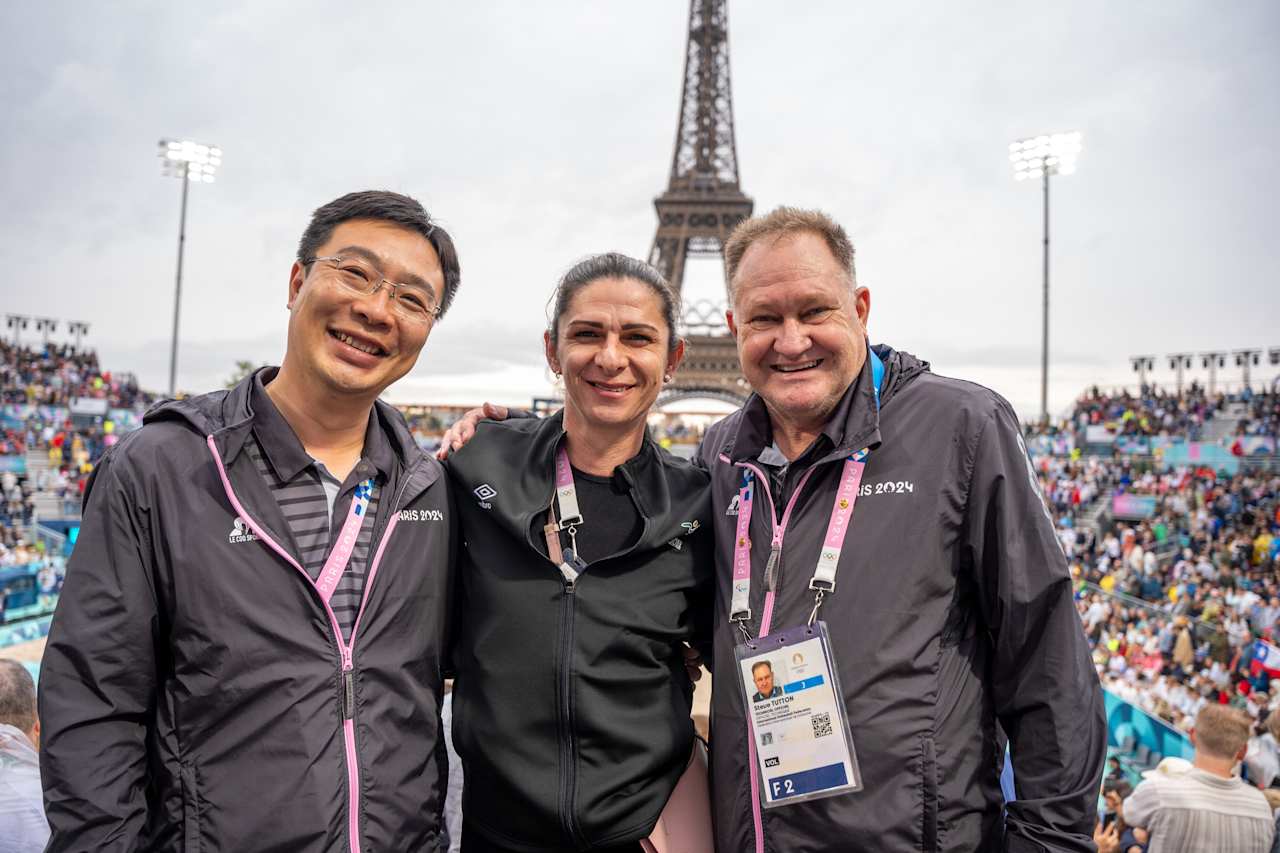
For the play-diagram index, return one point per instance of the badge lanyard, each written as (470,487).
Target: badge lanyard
(567,560)
(340,556)
(823,581)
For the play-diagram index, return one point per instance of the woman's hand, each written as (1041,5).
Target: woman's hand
(465,427)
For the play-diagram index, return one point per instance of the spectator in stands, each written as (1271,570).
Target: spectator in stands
(23,828)
(1262,761)
(1208,807)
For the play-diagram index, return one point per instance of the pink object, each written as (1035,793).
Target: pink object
(340,556)
(685,823)
(347,649)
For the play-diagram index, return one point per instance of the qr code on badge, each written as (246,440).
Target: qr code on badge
(821,724)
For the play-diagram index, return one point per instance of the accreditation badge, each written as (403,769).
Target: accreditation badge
(796,717)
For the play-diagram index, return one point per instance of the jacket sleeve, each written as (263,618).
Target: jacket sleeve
(97,679)
(1041,677)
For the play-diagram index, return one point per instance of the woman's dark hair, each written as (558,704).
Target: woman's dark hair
(615,265)
(388,207)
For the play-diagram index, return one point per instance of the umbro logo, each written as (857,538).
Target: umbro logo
(240,532)
(485,493)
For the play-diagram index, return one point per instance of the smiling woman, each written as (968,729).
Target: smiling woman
(613,341)
(585,571)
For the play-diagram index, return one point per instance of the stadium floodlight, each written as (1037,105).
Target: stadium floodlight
(1213,360)
(1273,355)
(1040,157)
(78,329)
(1245,359)
(45,325)
(193,162)
(1141,364)
(17,322)
(1178,362)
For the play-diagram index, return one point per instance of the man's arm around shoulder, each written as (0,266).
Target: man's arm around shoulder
(97,679)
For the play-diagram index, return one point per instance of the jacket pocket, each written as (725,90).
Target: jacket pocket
(929,800)
(191,809)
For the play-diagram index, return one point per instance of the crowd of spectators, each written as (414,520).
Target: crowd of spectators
(1262,414)
(1173,603)
(1151,411)
(1175,594)
(57,374)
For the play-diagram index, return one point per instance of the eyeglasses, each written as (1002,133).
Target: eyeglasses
(410,301)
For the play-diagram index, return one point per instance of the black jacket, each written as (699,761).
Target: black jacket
(193,694)
(951,621)
(571,706)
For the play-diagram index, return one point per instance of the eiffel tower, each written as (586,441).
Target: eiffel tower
(703,202)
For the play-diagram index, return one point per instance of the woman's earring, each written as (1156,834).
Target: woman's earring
(667,378)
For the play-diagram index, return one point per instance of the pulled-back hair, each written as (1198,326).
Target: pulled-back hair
(784,222)
(615,265)
(384,206)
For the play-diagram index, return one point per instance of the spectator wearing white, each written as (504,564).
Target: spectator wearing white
(1263,758)
(1209,807)
(23,828)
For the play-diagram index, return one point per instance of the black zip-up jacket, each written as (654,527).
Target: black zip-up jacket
(195,693)
(952,625)
(571,704)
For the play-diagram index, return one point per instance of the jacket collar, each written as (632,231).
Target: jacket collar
(283,449)
(228,417)
(853,425)
(528,450)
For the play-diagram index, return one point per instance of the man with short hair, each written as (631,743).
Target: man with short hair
(1208,807)
(247,650)
(762,674)
(23,828)
(900,508)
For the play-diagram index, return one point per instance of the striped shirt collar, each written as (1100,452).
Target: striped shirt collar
(284,451)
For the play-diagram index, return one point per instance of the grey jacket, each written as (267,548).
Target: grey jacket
(194,694)
(952,624)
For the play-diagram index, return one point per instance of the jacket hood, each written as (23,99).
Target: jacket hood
(901,368)
(856,422)
(226,417)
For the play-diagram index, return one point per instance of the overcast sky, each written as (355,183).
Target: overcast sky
(540,132)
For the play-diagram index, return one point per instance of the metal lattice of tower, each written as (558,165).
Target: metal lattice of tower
(703,201)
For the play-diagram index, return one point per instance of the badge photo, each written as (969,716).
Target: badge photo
(796,717)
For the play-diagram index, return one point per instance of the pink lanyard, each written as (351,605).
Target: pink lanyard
(824,574)
(568,562)
(340,556)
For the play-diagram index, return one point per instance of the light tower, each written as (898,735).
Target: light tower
(193,162)
(1179,361)
(1040,157)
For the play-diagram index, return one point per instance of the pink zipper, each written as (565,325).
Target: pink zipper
(347,651)
(779,531)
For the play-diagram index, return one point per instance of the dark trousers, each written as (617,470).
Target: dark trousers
(474,842)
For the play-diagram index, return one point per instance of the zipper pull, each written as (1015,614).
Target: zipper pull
(348,694)
(771,567)
(570,576)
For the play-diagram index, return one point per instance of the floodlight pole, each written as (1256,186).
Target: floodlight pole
(177,288)
(1044,335)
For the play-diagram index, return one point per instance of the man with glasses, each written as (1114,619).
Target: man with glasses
(246,653)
